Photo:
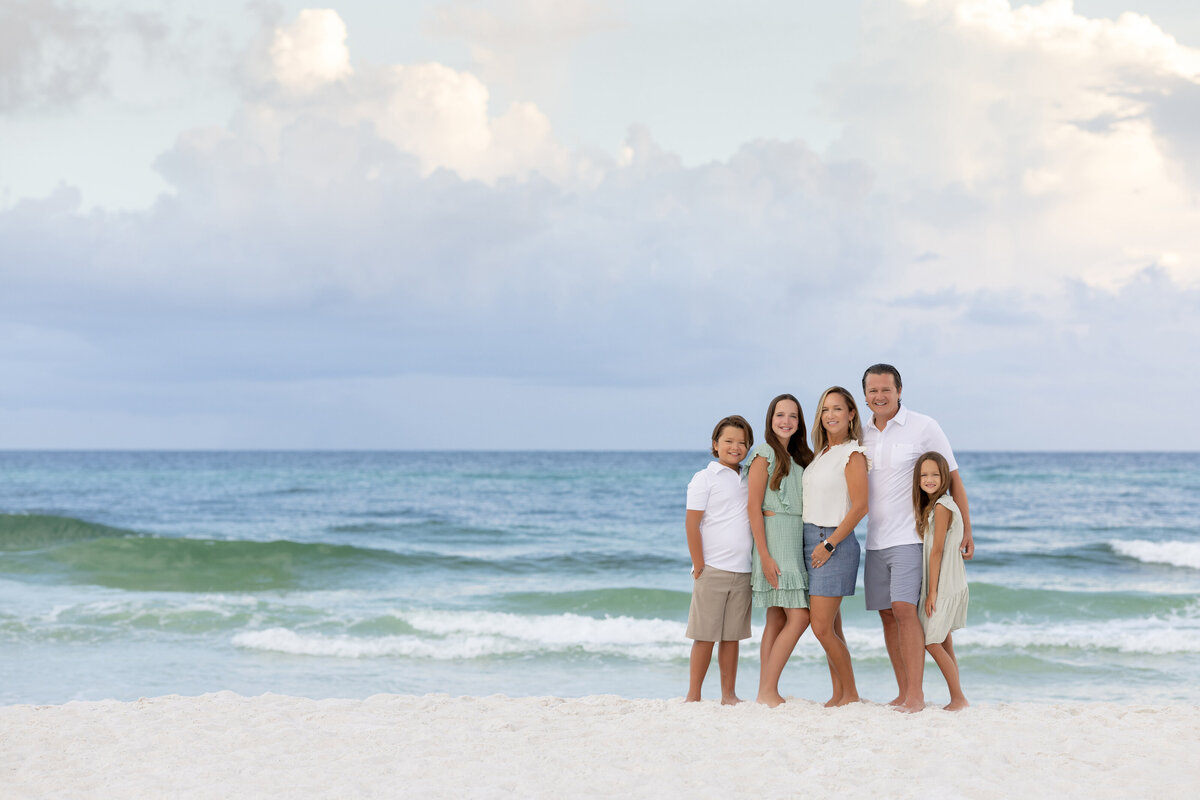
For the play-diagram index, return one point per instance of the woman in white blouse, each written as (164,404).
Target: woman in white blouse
(835,500)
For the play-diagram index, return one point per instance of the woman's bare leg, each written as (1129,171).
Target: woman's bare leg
(826,616)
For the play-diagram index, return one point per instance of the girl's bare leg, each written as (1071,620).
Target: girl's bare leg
(949,667)
(771,629)
(795,624)
(826,613)
(698,668)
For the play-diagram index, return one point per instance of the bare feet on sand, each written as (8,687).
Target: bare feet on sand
(911,706)
(957,705)
(730,700)
(844,700)
(899,701)
(770,700)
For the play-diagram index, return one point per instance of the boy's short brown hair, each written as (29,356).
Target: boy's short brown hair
(736,421)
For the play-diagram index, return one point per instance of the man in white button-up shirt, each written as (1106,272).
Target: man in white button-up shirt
(895,438)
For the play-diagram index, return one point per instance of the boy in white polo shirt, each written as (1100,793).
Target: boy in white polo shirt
(719,540)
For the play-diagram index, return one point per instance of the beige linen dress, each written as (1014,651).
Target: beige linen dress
(951,611)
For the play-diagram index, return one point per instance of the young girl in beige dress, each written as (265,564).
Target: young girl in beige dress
(944,595)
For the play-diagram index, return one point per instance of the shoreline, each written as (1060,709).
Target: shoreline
(223,744)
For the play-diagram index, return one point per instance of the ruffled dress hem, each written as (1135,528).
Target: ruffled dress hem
(782,598)
(951,615)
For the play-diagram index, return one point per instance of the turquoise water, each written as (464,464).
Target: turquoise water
(349,574)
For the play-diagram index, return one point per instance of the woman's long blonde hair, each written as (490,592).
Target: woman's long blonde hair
(854,433)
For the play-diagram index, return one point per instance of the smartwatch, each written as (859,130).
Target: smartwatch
(828,546)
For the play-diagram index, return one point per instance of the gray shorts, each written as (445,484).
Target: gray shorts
(720,609)
(893,574)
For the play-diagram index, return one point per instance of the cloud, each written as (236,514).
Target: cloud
(524,45)
(54,55)
(311,52)
(1027,143)
(51,54)
(359,233)
(441,116)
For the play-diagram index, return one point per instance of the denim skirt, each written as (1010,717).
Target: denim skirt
(837,576)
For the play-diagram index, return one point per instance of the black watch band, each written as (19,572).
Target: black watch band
(828,546)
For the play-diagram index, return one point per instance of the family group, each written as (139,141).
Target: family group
(778,533)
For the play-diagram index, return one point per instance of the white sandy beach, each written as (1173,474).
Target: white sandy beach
(224,745)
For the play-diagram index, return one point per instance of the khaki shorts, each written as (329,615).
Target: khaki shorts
(720,609)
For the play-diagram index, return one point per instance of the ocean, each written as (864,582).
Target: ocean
(349,574)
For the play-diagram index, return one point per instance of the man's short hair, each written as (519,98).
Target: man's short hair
(882,369)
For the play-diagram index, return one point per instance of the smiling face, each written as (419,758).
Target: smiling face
(931,476)
(836,416)
(883,397)
(785,420)
(730,446)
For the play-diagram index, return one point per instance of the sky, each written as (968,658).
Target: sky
(594,224)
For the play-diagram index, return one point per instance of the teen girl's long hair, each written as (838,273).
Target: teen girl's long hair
(924,503)
(797,446)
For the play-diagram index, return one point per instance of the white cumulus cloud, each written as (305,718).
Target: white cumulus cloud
(310,52)
(1027,143)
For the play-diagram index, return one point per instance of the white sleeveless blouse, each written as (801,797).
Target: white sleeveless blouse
(826,496)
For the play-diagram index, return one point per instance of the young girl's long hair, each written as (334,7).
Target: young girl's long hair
(797,446)
(854,431)
(923,503)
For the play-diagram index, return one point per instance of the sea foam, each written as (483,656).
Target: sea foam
(455,635)
(1177,554)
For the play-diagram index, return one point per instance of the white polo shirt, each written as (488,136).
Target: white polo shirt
(893,453)
(722,494)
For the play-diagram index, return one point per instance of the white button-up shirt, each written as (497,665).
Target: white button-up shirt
(722,494)
(893,452)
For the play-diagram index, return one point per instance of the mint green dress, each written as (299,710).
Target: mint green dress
(785,539)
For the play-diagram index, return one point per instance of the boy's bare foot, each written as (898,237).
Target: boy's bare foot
(957,705)
(845,700)
(730,700)
(770,700)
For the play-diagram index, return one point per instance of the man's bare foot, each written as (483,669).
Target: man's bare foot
(730,700)
(770,700)
(845,700)
(899,701)
(911,706)
(957,705)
